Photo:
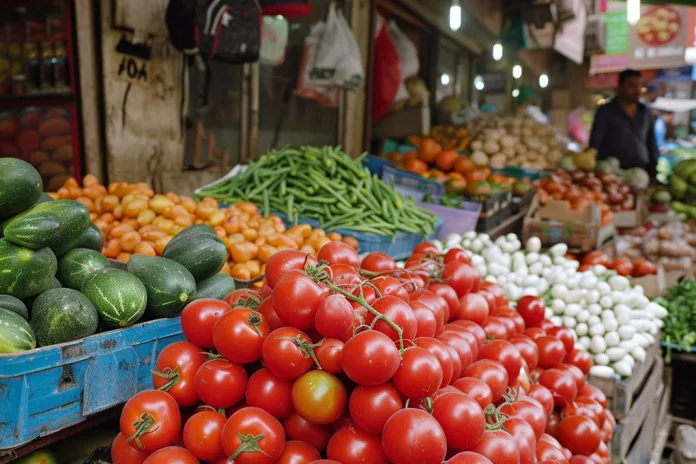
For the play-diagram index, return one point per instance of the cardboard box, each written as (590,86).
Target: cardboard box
(630,219)
(653,285)
(559,120)
(561,99)
(553,223)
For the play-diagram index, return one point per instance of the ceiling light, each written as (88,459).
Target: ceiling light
(455,16)
(517,71)
(516,93)
(497,52)
(543,81)
(445,79)
(478,83)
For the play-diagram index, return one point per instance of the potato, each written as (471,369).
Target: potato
(63,154)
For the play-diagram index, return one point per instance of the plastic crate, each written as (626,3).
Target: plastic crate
(522,203)
(410,184)
(493,203)
(48,389)
(399,247)
(683,364)
(454,220)
(519,173)
(486,223)
(376,164)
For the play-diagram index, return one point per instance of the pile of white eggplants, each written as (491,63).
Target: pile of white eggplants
(611,319)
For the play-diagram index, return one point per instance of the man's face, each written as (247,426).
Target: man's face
(629,90)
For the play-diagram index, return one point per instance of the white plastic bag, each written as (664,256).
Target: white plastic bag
(410,64)
(338,62)
(274,40)
(307,88)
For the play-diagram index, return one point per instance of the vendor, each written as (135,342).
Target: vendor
(624,127)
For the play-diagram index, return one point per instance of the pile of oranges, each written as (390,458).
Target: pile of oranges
(135,220)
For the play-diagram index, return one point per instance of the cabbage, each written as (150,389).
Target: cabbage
(604,166)
(566,163)
(615,164)
(636,177)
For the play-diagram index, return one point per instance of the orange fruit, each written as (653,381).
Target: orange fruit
(445,160)
(416,166)
(463,164)
(428,151)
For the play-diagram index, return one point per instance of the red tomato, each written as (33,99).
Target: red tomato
(547,324)
(516,321)
(543,396)
(623,266)
(473,307)
(561,384)
(643,267)
(352,445)
(576,372)
(198,319)
(297,428)
(370,358)
(419,374)
(527,348)
(535,332)
(440,351)
(220,383)
(579,460)
(456,254)
(426,248)
(334,317)
(265,291)
(243,298)
(580,359)
(123,453)
(269,392)
(497,328)
(462,277)
(595,257)
(397,311)
(203,435)
(467,457)
(548,452)
(296,299)
(378,262)
(530,411)
(476,389)
(552,424)
(344,276)
(425,319)
(447,293)
(552,352)
(564,335)
(456,412)
(339,253)
(492,305)
(491,372)
(497,446)
(467,335)
(591,410)
(579,434)
(252,436)
(287,352)
(532,309)
(328,354)
(171,455)
(371,406)
(298,452)
(595,393)
(284,261)
(319,397)
(151,420)
(239,334)
(457,367)
(176,369)
(270,315)
(505,353)
(388,285)
(460,345)
(525,438)
(437,304)
(412,436)
(474,329)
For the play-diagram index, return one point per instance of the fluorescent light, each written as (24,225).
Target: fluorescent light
(478,83)
(516,93)
(445,79)
(543,81)
(497,52)
(517,71)
(455,16)
(633,11)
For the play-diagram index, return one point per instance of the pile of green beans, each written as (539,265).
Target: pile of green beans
(327,185)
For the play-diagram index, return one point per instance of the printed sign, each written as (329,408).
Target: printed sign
(690,53)
(658,40)
(570,41)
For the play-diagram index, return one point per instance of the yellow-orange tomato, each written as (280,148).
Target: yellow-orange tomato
(129,241)
(146,217)
(145,248)
(319,397)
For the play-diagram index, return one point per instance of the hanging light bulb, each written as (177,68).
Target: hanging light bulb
(497,52)
(543,81)
(445,79)
(478,83)
(517,71)
(516,93)
(455,16)
(632,11)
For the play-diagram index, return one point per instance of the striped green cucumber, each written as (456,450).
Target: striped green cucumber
(119,296)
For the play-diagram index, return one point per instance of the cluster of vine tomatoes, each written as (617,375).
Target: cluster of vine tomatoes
(336,360)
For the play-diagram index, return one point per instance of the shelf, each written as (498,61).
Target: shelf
(36,99)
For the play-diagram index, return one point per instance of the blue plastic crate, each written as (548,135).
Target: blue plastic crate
(454,220)
(48,389)
(376,164)
(519,173)
(410,184)
(399,247)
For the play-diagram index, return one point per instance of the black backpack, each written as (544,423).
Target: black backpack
(221,30)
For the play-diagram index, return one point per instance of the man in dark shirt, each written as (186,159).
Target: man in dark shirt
(624,127)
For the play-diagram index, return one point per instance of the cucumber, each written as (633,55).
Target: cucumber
(74,221)
(120,297)
(62,315)
(92,239)
(21,186)
(25,272)
(216,287)
(15,305)
(77,264)
(203,254)
(15,333)
(53,283)
(197,229)
(169,284)
(35,230)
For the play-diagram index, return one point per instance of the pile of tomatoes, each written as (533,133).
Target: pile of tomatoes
(336,360)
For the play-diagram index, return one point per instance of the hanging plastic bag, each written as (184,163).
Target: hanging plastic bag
(410,64)
(305,86)
(387,73)
(338,62)
(274,40)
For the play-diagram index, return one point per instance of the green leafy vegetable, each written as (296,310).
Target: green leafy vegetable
(680,325)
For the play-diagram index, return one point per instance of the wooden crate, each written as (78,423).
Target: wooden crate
(634,435)
(623,393)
